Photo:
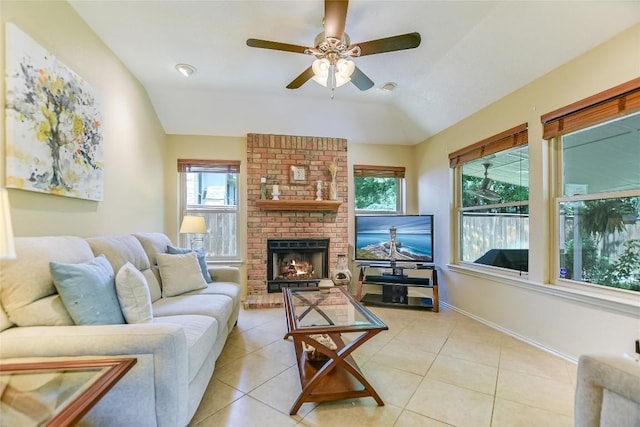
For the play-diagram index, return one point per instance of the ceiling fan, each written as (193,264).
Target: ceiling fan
(484,189)
(333,50)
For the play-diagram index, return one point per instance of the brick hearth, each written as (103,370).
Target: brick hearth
(271,156)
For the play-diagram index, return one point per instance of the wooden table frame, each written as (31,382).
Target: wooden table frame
(337,377)
(78,407)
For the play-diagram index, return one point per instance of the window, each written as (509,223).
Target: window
(492,200)
(210,190)
(597,203)
(378,189)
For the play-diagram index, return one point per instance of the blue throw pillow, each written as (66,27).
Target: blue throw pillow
(202,259)
(88,291)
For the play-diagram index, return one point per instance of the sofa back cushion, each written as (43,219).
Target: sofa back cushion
(26,286)
(122,249)
(154,244)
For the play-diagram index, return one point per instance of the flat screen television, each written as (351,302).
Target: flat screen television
(394,238)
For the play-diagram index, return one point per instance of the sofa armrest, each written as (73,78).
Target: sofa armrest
(607,391)
(163,344)
(225,274)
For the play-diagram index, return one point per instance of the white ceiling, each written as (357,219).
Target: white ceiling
(472,54)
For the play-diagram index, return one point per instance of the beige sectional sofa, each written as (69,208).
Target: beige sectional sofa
(176,350)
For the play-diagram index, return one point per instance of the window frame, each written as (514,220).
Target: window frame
(601,108)
(506,140)
(210,166)
(376,171)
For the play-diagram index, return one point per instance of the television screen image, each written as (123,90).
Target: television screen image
(401,238)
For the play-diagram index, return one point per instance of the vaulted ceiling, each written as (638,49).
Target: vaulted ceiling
(472,54)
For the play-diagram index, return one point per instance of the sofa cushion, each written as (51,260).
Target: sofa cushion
(122,249)
(153,244)
(133,295)
(88,291)
(26,287)
(180,274)
(5,323)
(201,333)
(202,259)
(219,307)
(220,288)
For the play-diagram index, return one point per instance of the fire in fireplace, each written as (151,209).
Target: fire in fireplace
(296,263)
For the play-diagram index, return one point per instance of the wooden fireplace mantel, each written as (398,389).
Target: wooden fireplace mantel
(299,205)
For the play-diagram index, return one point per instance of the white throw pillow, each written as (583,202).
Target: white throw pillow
(133,295)
(180,273)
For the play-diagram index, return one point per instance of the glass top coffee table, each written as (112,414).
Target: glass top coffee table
(315,320)
(55,393)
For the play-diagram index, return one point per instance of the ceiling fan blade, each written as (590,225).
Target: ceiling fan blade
(360,80)
(266,44)
(389,44)
(335,17)
(301,79)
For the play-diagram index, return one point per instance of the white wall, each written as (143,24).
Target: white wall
(558,323)
(133,136)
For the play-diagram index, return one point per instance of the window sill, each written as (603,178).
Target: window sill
(618,304)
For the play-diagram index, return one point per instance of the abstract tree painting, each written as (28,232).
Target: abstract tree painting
(54,124)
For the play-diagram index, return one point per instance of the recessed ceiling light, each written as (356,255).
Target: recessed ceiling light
(185,69)
(389,86)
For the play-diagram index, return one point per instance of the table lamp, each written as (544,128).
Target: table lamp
(7,248)
(194,225)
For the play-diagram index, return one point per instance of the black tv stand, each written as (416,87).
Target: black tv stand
(395,286)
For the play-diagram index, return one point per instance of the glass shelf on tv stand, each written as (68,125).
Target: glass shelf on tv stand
(395,286)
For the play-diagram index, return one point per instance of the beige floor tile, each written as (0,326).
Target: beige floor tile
(411,419)
(254,338)
(230,353)
(217,396)
(280,351)
(247,411)
(531,360)
(405,356)
(481,352)
(513,414)
(472,375)
(457,354)
(422,340)
(363,412)
(394,386)
(532,390)
(451,404)
(249,372)
(281,393)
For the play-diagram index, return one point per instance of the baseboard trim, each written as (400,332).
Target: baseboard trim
(510,333)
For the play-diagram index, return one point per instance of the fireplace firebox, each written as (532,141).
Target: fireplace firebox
(296,263)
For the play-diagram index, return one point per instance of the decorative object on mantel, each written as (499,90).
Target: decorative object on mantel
(341,275)
(325,285)
(263,188)
(319,190)
(54,124)
(299,175)
(275,194)
(333,185)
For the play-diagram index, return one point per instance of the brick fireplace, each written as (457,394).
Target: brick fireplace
(271,156)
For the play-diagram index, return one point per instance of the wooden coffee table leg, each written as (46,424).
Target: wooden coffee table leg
(336,359)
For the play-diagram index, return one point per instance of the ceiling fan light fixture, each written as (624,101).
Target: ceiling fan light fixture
(185,69)
(324,72)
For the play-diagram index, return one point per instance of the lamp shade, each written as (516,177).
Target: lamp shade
(193,224)
(7,248)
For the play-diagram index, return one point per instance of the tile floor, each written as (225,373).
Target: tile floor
(431,369)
